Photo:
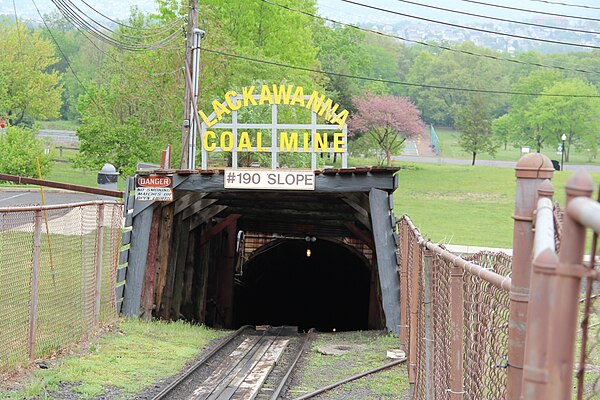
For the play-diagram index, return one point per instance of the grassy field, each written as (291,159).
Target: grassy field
(463,205)
(450,148)
(134,354)
(59,125)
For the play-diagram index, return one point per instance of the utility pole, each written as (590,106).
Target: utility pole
(187,99)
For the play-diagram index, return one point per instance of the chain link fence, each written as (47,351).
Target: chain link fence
(457,319)
(57,276)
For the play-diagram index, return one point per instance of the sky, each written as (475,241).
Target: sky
(337,8)
(342,9)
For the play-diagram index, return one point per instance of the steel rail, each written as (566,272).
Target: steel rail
(544,227)
(585,211)
(56,206)
(502,282)
(60,185)
(173,385)
(352,378)
(285,379)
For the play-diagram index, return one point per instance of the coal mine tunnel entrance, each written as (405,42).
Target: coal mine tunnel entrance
(282,285)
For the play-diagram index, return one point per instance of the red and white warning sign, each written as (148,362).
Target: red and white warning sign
(154,188)
(3,124)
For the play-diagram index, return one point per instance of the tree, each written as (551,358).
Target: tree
(27,90)
(456,69)
(19,150)
(501,127)
(522,119)
(119,143)
(475,123)
(573,116)
(389,120)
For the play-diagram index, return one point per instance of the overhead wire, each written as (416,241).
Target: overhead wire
(77,19)
(71,14)
(118,63)
(394,82)
(566,4)
(67,59)
(588,46)
(172,23)
(483,3)
(512,21)
(432,45)
(146,35)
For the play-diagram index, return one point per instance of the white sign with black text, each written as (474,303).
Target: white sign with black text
(154,188)
(269,179)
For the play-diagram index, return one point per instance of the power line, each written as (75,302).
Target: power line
(365,78)
(173,23)
(497,18)
(472,28)
(530,11)
(78,18)
(80,12)
(428,44)
(66,59)
(566,4)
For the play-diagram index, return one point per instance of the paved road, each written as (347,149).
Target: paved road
(492,163)
(12,197)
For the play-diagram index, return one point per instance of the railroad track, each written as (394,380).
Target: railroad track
(249,364)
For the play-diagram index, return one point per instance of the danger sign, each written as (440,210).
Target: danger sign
(154,188)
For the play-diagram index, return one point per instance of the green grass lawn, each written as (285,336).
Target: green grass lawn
(59,125)
(134,355)
(451,149)
(464,205)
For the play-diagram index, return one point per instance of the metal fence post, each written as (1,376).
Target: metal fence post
(429,345)
(530,171)
(563,320)
(99,246)
(35,282)
(414,311)
(456,333)
(535,373)
(404,309)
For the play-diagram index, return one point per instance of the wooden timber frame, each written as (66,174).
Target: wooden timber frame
(182,258)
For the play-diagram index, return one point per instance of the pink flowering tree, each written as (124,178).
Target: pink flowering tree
(388,120)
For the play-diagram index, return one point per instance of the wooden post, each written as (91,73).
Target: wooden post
(565,304)
(35,281)
(531,171)
(456,333)
(404,309)
(136,269)
(99,246)
(180,262)
(535,373)
(226,285)
(415,270)
(148,287)
(165,232)
(428,315)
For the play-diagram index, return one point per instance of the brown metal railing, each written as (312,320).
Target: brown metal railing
(457,319)
(491,326)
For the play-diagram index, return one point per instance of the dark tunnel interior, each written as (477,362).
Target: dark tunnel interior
(281,285)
